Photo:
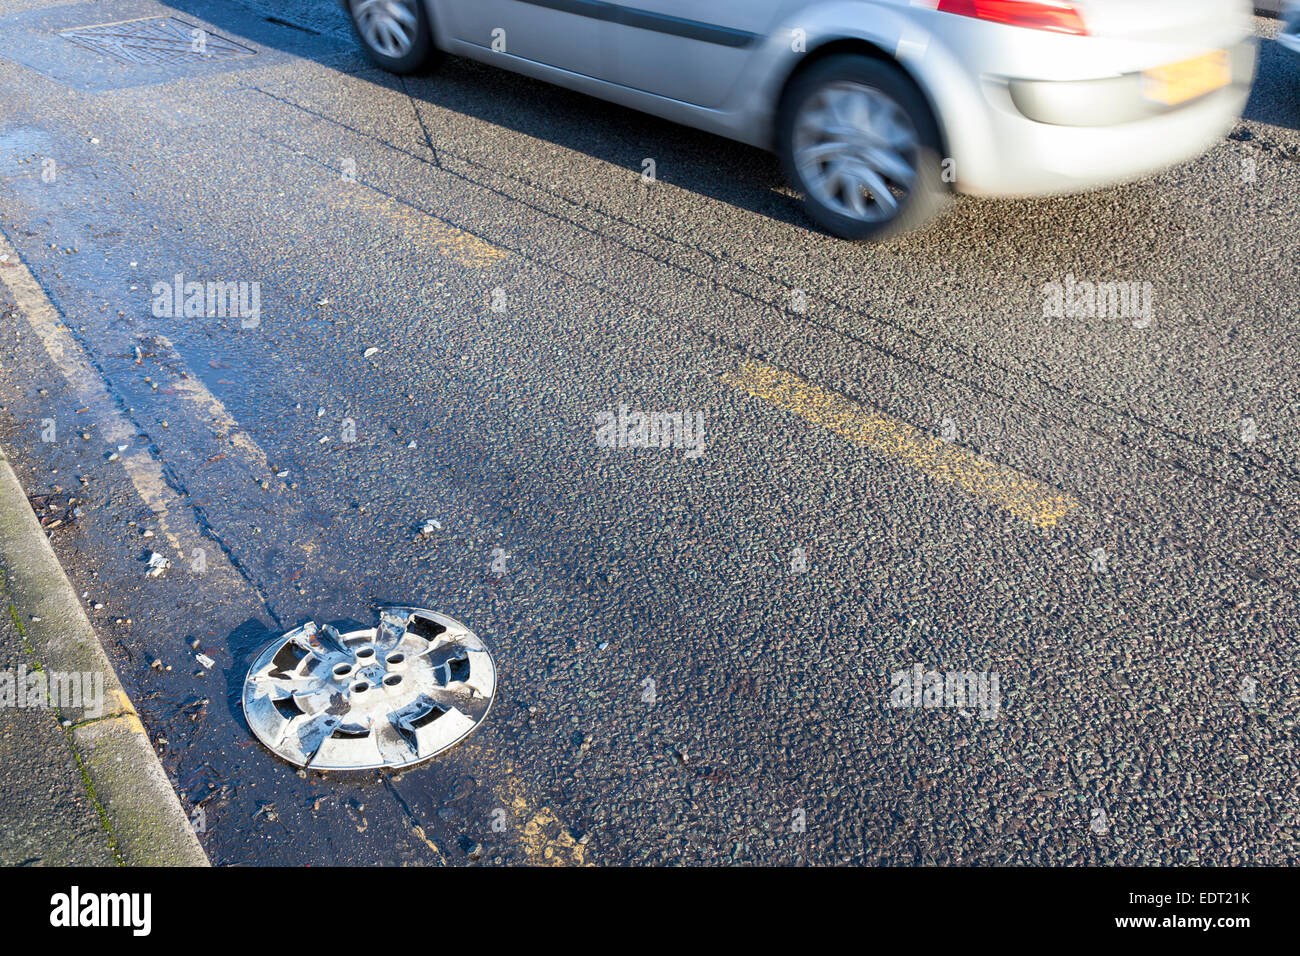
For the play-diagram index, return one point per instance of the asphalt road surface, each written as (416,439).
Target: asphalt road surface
(707,650)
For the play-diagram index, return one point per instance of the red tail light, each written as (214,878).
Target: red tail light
(1058,16)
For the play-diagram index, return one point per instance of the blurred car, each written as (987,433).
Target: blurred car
(1289,33)
(877,108)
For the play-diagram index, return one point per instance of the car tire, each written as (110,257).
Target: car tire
(396,34)
(897,125)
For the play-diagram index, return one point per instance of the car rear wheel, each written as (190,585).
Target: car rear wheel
(856,136)
(395,33)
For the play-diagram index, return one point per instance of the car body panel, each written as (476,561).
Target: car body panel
(700,66)
(965,68)
(1288,36)
(553,33)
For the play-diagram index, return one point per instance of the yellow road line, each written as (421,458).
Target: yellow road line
(420,230)
(545,839)
(1039,504)
(189,388)
(126,712)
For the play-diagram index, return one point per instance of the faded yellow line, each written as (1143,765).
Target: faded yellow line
(127,712)
(188,388)
(420,230)
(545,839)
(1024,497)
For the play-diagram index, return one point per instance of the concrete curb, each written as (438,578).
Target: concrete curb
(123,776)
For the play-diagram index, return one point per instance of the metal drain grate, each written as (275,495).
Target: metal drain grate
(389,696)
(155,41)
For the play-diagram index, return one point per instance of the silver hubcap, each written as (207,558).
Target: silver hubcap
(856,151)
(388,26)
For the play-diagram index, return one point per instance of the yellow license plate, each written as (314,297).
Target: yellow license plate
(1179,82)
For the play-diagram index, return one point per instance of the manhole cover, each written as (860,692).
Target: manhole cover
(388,696)
(154,41)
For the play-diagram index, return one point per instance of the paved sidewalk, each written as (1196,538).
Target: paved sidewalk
(79,782)
(48,814)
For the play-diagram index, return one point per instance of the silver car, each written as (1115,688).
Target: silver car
(877,108)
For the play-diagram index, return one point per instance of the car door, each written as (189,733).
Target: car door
(689,50)
(558,33)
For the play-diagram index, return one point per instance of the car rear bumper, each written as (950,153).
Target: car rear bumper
(1111,100)
(1051,137)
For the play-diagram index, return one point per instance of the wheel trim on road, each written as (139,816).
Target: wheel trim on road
(390,696)
(856,150)
(388,26)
